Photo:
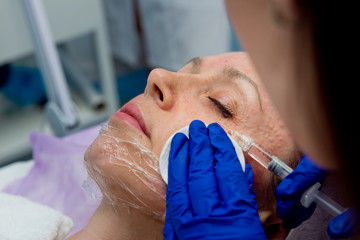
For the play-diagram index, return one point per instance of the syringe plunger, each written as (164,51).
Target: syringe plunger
(279,168)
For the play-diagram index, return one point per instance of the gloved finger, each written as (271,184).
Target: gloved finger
(249,174)
(296,215)
(202,185)
(168,232)
(303,177)
(177,196)
(250,179)
(288,208)
(231,180)
(344,225)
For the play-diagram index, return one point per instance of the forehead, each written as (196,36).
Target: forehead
(236,60)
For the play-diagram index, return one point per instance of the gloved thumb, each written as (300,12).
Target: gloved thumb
(344,225)
(249,174)
(168,228)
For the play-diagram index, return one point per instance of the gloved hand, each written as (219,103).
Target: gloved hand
(208,195)
(344,225)
(289,208)
(291,189)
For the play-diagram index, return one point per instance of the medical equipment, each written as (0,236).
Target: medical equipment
(82,28)
(279,168)
(60,109)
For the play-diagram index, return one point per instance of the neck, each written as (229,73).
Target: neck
(124,224)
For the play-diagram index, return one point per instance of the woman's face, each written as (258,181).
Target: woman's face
(223,89)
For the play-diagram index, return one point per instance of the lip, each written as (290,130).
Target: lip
(131,114)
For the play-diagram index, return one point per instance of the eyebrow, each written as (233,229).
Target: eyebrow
(229,72)
(195,64)
(234,74)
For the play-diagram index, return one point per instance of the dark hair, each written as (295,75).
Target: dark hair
(332,30)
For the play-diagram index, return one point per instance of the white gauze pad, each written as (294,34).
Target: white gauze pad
(164,156)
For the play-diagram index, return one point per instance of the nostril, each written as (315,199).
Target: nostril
(161,96)
(159,93)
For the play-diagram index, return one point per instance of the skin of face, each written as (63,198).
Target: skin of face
(173,100)
(282,52)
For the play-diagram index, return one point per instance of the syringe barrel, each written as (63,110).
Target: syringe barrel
(279,168)
(259,154)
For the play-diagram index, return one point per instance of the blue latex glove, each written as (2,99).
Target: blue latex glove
(208,195)
(291,189)
(344,225)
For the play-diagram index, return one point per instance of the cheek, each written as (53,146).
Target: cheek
(166,124)
(127,175)
(262,182)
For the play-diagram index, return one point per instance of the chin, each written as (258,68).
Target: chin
(127,172)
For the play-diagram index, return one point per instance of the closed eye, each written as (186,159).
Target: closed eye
(225,111)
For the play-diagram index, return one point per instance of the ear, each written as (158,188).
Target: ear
(284,12)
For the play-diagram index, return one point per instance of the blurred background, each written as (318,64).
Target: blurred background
(66,65)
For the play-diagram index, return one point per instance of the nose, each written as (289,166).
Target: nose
(163,87)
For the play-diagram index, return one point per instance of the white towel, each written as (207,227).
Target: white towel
(22,219)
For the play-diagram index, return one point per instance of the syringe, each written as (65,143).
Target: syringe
(279,168)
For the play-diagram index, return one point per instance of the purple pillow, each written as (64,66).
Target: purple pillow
(58,173)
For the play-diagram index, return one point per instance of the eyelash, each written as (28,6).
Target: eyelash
(225,111)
